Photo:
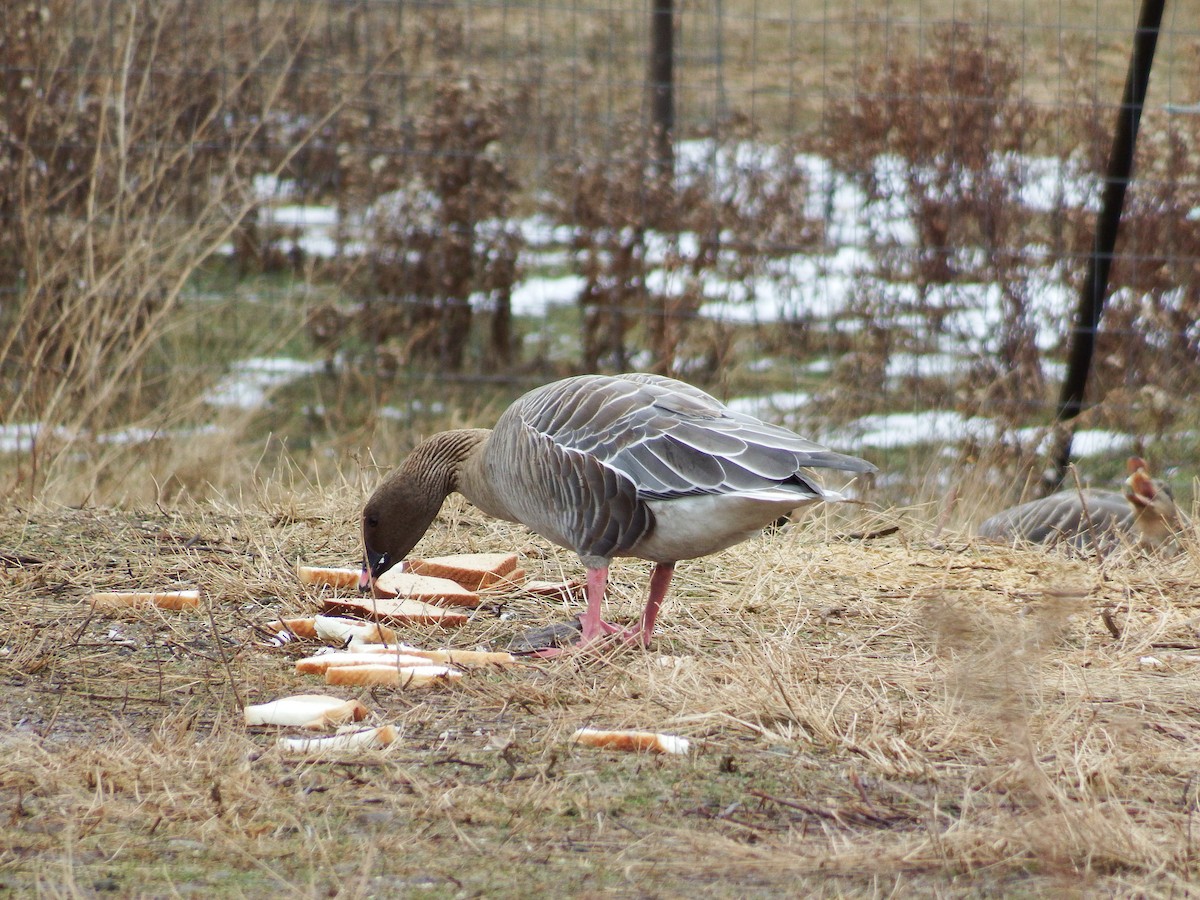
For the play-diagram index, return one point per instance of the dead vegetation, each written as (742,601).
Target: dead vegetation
(869,715)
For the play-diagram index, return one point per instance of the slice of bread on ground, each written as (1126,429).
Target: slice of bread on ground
(391,675)
(558,590)
(474,571)
(635,741)
(321,662)
(109,601)
(442,591)
(301,628)
(396,611)
(306,711)
(370,739)
(323,575)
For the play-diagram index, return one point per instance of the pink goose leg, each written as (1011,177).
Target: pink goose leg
(594,627)
(660,581)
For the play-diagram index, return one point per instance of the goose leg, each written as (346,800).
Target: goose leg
(660,581)
(594,627)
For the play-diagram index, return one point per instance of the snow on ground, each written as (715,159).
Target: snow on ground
(828,288)
(252,380)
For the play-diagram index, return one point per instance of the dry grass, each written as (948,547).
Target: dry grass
(896,714)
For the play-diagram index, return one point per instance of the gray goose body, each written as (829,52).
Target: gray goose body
(1079,518)
(1090,518)
(624,466)
(607,466)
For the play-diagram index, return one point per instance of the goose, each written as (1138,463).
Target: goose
(632,465)
(1144,511)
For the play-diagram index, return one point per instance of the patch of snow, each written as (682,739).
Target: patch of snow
(252,380)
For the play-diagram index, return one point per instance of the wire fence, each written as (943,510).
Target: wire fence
(872,224)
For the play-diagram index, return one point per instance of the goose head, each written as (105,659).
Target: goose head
(402,508)
(1155,515)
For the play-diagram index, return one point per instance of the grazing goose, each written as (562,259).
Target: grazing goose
(627,465)
(1087,519)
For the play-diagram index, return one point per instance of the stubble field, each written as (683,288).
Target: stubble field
(910,713)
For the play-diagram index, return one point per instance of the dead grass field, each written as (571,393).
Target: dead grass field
(869,717)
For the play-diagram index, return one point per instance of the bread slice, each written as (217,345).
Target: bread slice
(467,659)
(320,663)
(109,601)
(306,711)
(635,741)
(369,739)
(443,591)
(391,675)
(558,590)
(301,628)
(322,575)
(474,571)
(396,611)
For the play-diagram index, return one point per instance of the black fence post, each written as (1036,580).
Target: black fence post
(1095,287)
(662,83)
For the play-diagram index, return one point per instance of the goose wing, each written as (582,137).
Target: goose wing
(666,439)
(1079,517)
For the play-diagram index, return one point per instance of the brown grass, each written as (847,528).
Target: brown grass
(898,714)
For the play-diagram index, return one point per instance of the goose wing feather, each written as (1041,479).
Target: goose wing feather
(1079,517)
(566,495)
(668,439)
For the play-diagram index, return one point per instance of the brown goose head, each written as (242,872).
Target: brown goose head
(1156,517)
(404,505)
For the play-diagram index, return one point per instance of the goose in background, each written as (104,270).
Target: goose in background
(1144,512)
(608,466)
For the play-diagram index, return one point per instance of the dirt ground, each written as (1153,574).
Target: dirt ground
(868,716)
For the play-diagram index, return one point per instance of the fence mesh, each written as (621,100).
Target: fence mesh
(867,222)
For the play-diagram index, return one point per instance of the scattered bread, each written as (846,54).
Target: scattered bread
(370,739)
(468,659)
(306,711)
(322,662)
(397,611)
(395,583)
(337,630)
(114,600)
(558,590)
(474,571)
(513,581)
(329,577)
(390,675)
(301,628)
(637,741)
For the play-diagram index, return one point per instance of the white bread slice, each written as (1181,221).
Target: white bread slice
(443,591)
(306,711)
(468,659)
(330,577)
(391,675)
(301,628)
(370,739)
(640,741)
(396,611)
(320,663)
(176,600)
(337,630)
(564,590)
(474,571)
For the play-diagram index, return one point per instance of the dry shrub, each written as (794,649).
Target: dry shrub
(437,241)
(128,132)
(946,128)
(648,239)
